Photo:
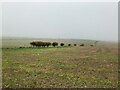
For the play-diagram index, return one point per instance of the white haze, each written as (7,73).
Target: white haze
(72,20)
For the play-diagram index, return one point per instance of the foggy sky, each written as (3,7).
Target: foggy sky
(72,20)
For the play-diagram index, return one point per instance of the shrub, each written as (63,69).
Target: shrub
(39,44)
(62,44)
(91,45)
(55,44)
(47,44)
(21,47)
(82,45)
(75,44)
(32,44)
(69,44)
(42,44)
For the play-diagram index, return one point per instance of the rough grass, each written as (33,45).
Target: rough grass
(73,67)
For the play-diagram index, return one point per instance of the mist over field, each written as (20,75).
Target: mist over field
(61,20)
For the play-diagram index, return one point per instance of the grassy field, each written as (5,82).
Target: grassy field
(60,67)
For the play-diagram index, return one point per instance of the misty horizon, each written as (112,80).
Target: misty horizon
(62,20)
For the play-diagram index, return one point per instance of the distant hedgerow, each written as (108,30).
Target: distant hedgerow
(40,44)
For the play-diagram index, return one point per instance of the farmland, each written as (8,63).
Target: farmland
(59,67)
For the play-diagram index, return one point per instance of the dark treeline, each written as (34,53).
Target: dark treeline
(44,44)
(40,44)
(47,44)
